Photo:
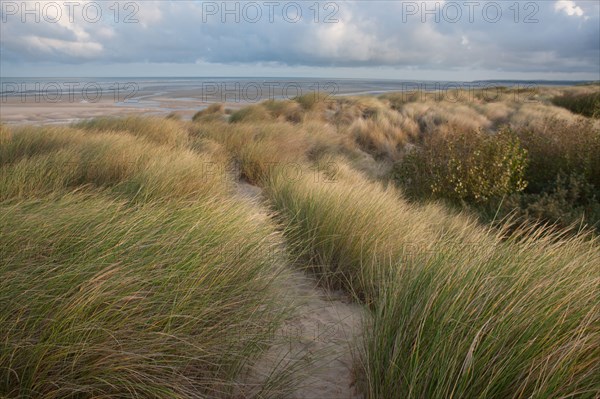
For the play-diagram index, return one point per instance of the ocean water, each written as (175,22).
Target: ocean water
(170,85)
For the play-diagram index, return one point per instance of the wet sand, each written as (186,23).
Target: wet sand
(52,101)
(14,111)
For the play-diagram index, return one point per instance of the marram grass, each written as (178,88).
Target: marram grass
(129,269)
(457,311)
(126,271)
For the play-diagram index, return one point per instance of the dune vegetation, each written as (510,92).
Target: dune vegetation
(127,267)
(465,224)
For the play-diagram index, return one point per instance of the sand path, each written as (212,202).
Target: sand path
(318,342)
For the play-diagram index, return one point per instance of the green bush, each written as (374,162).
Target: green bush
(467,166)
(582,104)
(572,202)
(567,149)
(563,175)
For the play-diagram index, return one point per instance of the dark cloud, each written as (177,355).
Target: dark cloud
(565,38)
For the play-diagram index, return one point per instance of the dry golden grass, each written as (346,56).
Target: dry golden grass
(42,160)
(540,117)
(285,111)
(129,269)
(158,130)
(213,112)
(457,309)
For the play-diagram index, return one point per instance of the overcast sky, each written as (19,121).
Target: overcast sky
(437,40)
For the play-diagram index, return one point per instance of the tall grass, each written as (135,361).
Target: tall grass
(258,149)
(126,271)
(457,310)
(348,251)
(212,112)
(103,300)
(128,268)
(159,130)
(38,161)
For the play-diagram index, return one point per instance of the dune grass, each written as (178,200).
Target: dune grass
(126,271)
(260,148)
(103,300)
(212,112)
(457,310)
(128,267)
(40,160)
(516,320)
(159,130)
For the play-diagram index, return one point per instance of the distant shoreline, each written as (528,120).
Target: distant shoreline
(66,100)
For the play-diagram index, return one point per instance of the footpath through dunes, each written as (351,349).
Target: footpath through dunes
(316,347)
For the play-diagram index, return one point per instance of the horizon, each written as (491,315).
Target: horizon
(310,77)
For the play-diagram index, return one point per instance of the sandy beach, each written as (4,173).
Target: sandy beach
(15,111)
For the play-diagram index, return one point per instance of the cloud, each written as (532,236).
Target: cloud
(561,36)
(85,50)
(568,7)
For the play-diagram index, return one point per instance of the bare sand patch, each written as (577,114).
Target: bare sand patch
(317,344)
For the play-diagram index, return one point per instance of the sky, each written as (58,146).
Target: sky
(394,39)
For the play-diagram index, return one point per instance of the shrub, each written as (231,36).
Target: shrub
(467,166)
(564,148)
(571,203)
(582,104)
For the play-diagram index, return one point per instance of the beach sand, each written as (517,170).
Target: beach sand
(16,111)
